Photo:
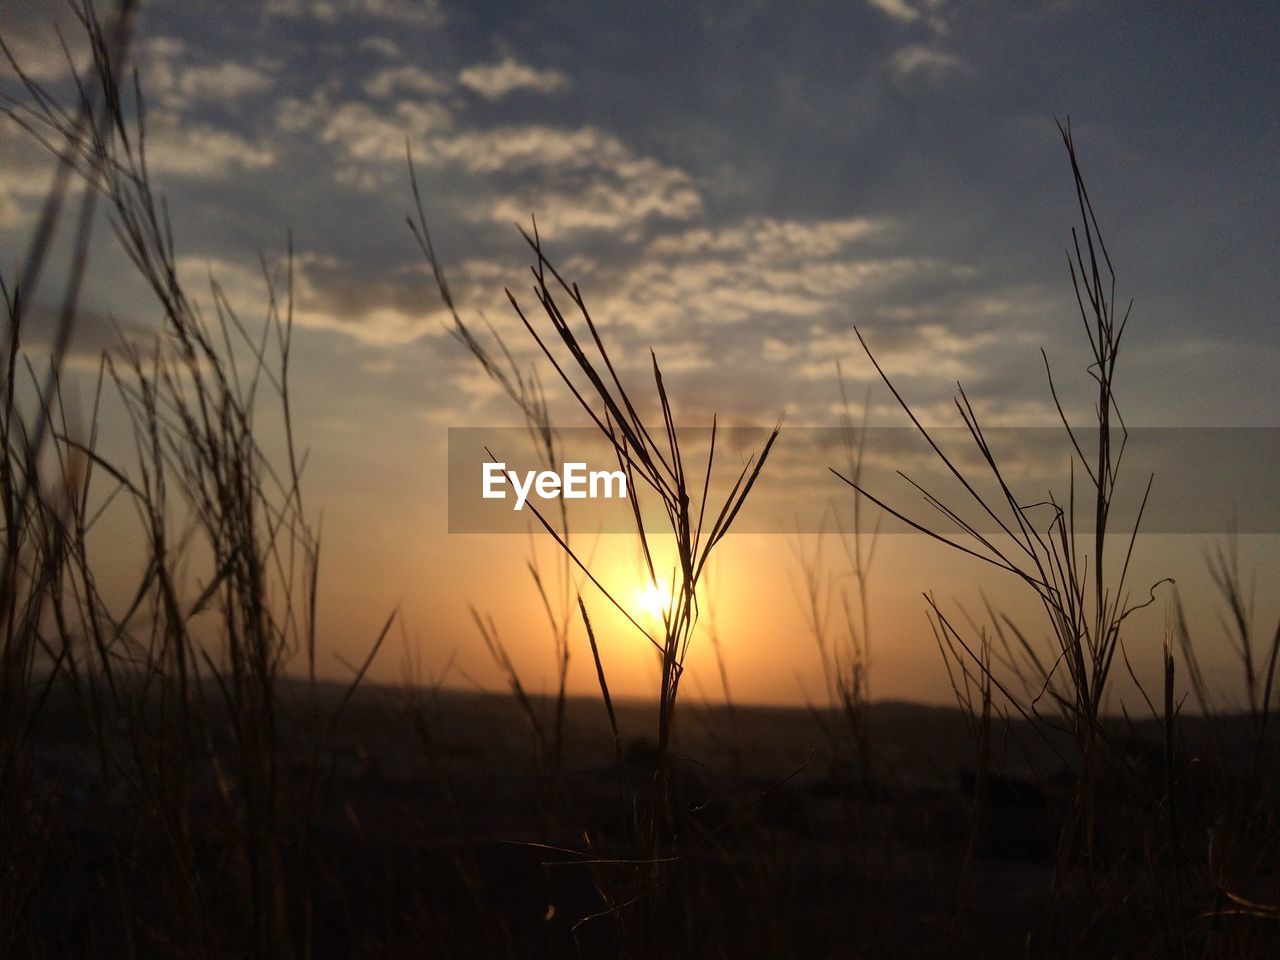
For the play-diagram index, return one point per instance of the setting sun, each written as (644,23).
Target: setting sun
(653,599)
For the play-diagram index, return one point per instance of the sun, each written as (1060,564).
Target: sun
(652,599)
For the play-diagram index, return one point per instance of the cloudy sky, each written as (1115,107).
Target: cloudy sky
(735,184)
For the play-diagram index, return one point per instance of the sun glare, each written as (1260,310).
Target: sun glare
(653,599)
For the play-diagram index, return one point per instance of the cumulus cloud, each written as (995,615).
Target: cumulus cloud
(899,10)
(574,179)
(32,29)
(752,315)
(919,59)
(426,12)
(179,88)
(770,239)
(204,152)
(11,212)
(497,80)
(178,81)
(922,12)
(773,339)
(222,82)
(759,271)
(396,305)
(946,353)
(518,149)
(367,137)
(408,79)
(382,46)
(26,171)
(727,291)
(614,200)
(376,305)
(581,179)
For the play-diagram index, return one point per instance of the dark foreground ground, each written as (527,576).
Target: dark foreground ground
(445,828)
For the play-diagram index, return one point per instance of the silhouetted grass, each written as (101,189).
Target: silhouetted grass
(177,780)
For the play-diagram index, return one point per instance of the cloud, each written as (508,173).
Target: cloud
(751,316)
(222,82)
(768,239)
(365,133)
(176,86)
(26,171)
(203,152)
(943,351)
(393,306)
(12,213)
(426,12)
(93,334)
(409,79)
(573,179)
(919,59)
(382,46)
(727,291)
(926,12)
(519,149)
(495,81)
(759,271)
(182,87)
(899,10)
(607,197)
(32,30)
(377,305)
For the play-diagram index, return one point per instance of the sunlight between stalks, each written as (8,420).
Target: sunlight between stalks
(652,600)
(654,462)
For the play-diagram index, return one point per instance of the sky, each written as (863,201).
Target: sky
(734,184)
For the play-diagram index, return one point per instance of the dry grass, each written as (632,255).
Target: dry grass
(1086,600)
(216,798)
(180,686)
(696,522)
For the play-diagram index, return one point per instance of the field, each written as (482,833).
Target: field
(453,845)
